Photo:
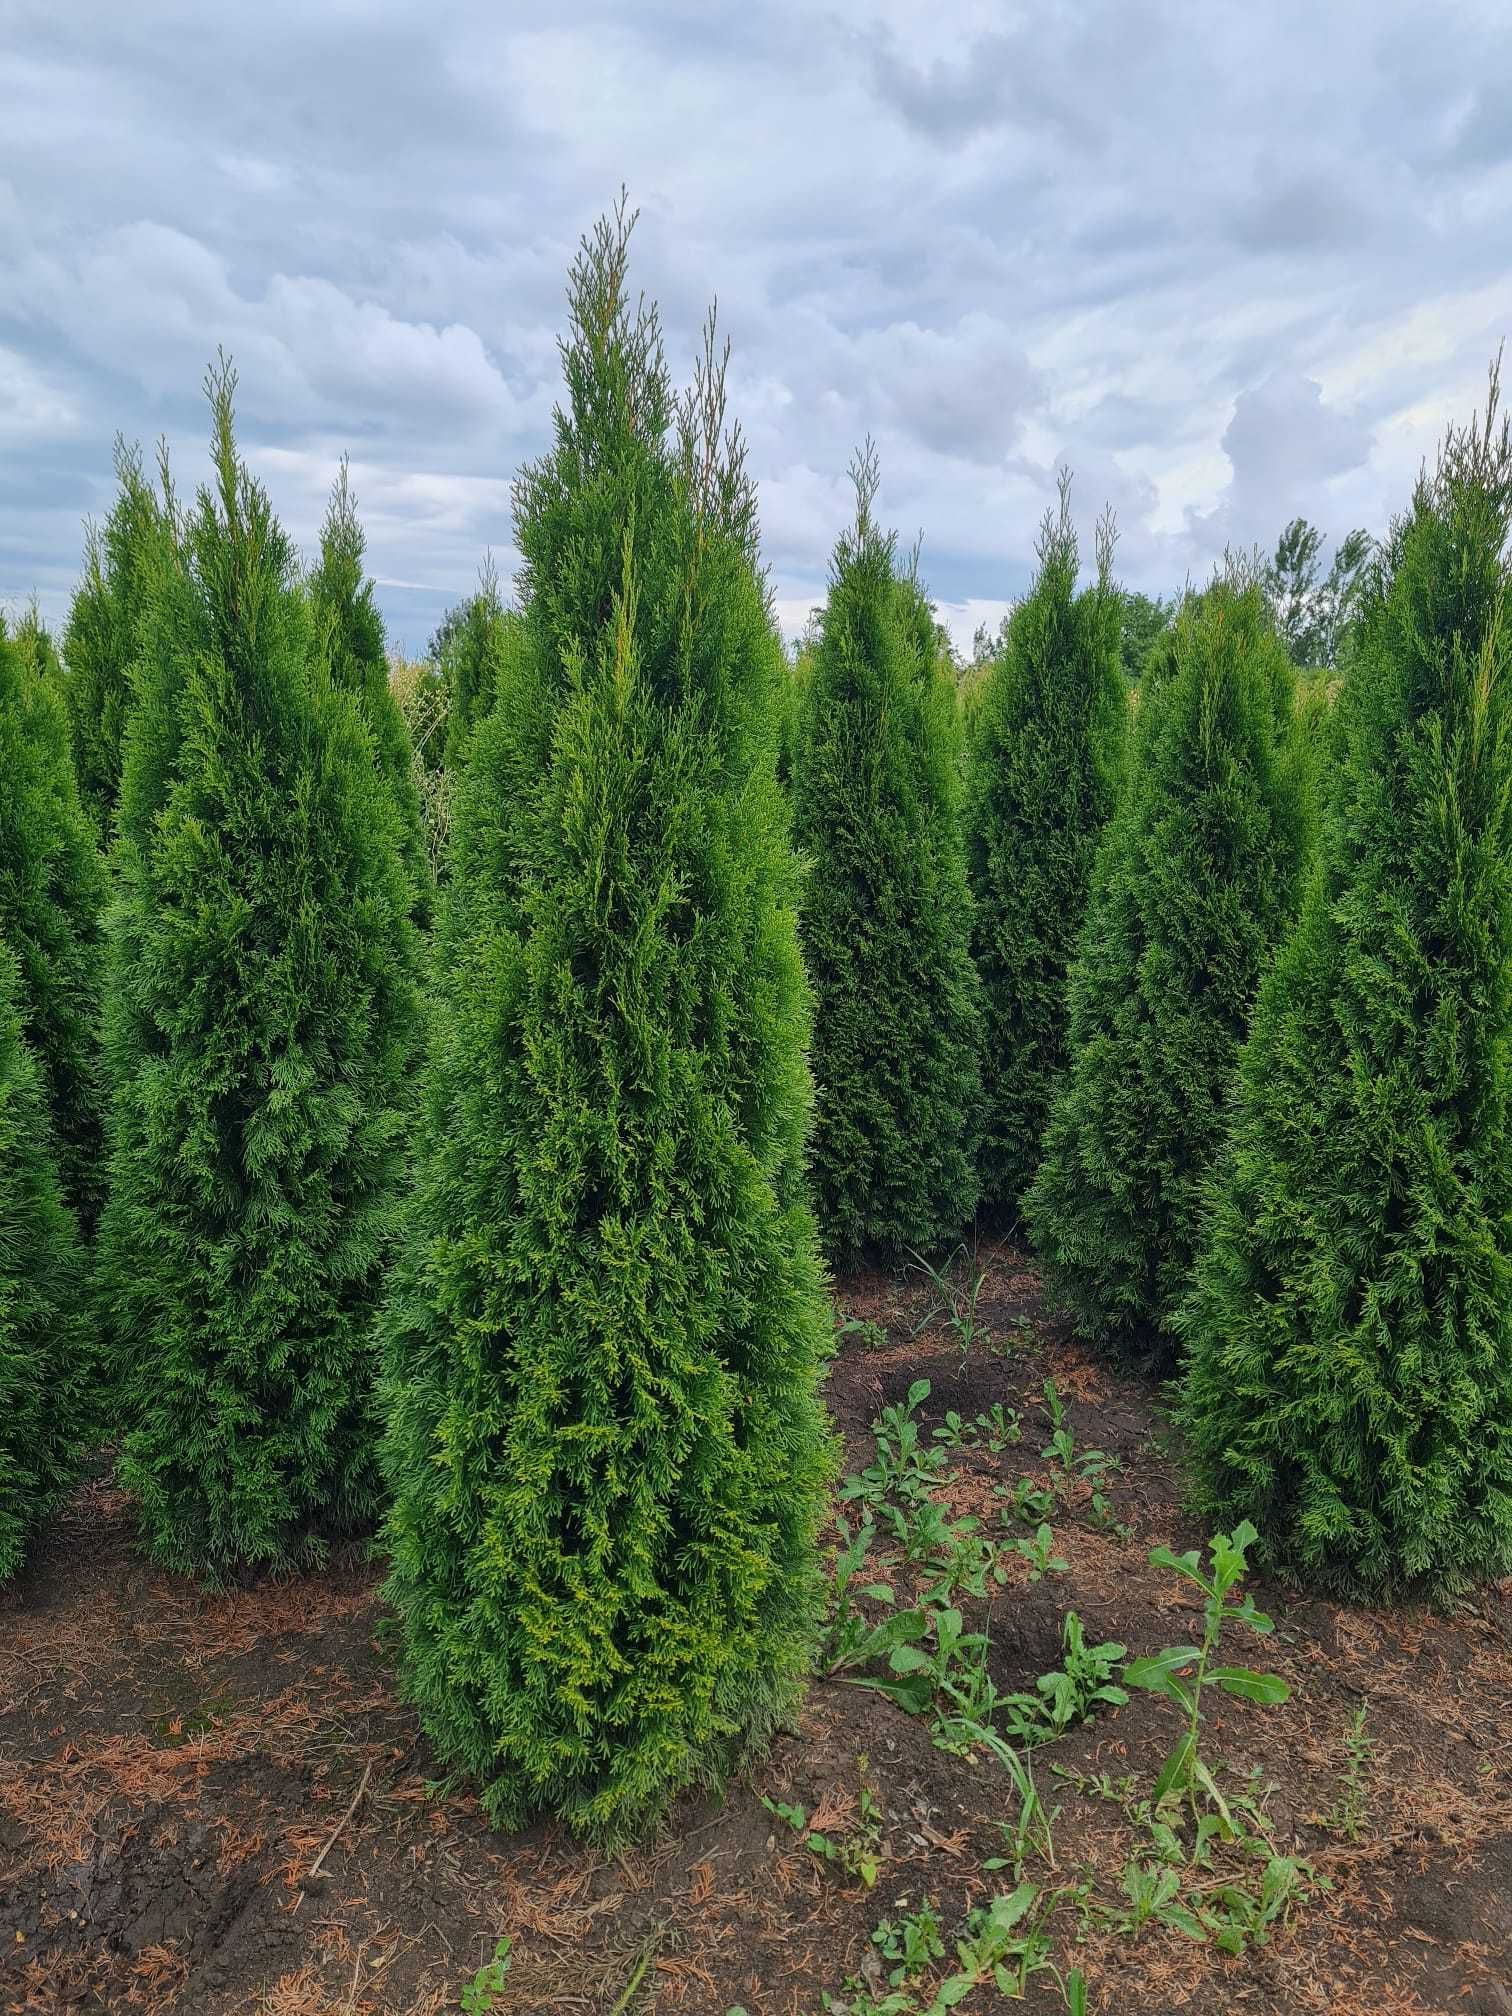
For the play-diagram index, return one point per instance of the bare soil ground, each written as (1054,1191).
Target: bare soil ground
(173,1764)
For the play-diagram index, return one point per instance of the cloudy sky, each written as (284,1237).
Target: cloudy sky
(1228,264)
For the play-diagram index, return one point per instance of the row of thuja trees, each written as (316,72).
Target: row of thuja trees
(732,963)
(1230,1042)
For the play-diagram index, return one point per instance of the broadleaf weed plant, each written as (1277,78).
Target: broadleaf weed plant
(1182,1672)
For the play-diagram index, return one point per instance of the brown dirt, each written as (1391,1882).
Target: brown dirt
(172,1764)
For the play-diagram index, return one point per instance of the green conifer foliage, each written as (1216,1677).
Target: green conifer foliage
(1349,1333)
(260,1022)
(352,630)
(42,1401)
(798,670)
(1048,731)
(886,914)
(52,893)
(102,640)
(472,656)
(1199,874)
(34,641)
(605,1446)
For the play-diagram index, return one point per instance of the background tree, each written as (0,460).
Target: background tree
(260,1015)
(352,631)
(1313,614)
(52,893)
(1349,1385)
(605,1447)
(43,1401)
(472,642)
(987,643)
(799,670)
(1048,727)
(1199,873)
(1142,621)
(104,623)
(421,694)
(886,915)
(33,640)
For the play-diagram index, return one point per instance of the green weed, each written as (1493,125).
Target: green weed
(480,1995)
(956,1299)
(1181,1672)
(1347,1817)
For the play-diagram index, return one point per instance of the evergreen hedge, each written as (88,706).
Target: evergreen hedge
(261,1010)
(43,1396)
(52,894)
(1048,730)
(1199,874)
(886,916)
(605,1447)
(1349,1382)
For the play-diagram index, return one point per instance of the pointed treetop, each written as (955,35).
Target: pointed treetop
(244,554)
(612,355)
(866,480)
(712,448)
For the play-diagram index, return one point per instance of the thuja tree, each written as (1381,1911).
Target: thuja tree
(260,1018)
(52,893)
(1047,729)
(605,1447)
(420,690)
(886,913)
(33,640)
(798,670)
(101,642)
(1198,876)
(472,650)
(42,1398)
(351,631)
(1349,1385)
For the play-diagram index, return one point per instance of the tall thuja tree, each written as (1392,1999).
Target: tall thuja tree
(1199,874)
(1349,1382)
(102,639)
(52,894)
(1048,731)
(604,1443)
(472,653)
(43,1401)
(886,914)
(260,1020)
(351,629)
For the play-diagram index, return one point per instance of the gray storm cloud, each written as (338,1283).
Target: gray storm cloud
(1229,271)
